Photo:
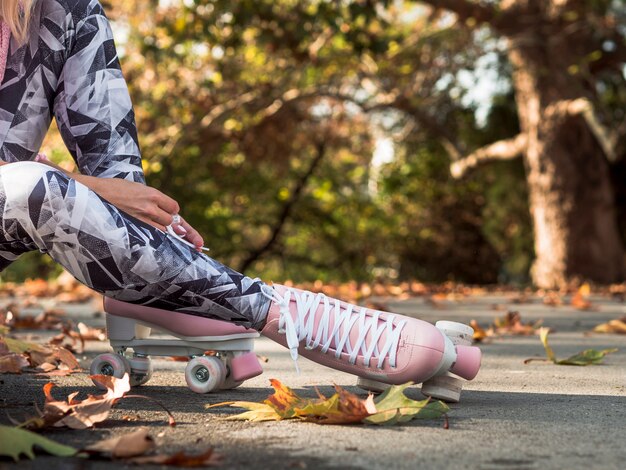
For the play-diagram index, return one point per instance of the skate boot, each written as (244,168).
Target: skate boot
(380,348)
(231,358)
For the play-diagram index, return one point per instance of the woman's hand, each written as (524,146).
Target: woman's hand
(188,233)
(142,202)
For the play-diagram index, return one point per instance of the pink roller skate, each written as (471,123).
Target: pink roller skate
(380,348)
(130,326)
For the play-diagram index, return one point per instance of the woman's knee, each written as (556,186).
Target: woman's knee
(19,181)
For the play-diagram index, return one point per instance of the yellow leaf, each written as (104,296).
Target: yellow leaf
(583,358)
(343,407)
(543,336)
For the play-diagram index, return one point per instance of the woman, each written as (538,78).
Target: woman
(108,229)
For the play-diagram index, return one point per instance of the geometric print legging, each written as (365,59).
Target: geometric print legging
(114,253)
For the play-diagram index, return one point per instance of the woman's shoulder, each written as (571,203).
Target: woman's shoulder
(78,9)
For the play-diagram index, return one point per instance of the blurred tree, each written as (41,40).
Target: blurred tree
(257,117)
(565,54)
(261,118)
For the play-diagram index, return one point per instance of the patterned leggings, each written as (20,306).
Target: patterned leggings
(114,253)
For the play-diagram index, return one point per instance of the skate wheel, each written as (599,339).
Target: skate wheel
(205,374)
(109,364)
(371,385)
(443,387)
(140,370)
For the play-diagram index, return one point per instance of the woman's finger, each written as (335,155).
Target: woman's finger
(192,234)
(161,217)
(166,203)
(151,222)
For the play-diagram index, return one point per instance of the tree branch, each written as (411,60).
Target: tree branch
(506,149)
(286,210)
(607,139)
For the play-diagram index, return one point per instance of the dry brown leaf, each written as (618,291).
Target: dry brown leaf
(132,447)
(13,363)
(47,320)
(208,458)
(80,414)
(511,324)
(89,333)
(617,326)
(126,446)
(552,299)
(134,417)
(37,288)
(56,355)
(480,334)
(69,339)
(350,409)
(41,357)
(580,299)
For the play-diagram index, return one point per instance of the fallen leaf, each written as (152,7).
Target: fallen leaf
(80,414)
(553,299)
(480,334)
(128,445)
(617,326)
(91,334)
(72,337)
(41,356)
(393,406)
(206,459)
(509,324)
(13,363)
(342,407)
(132,447)
(18,346)
(15,442)
(283,400)
(583,358)
(580,299)
(56,355)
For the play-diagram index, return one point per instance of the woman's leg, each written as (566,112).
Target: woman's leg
(116,254)
(126,259)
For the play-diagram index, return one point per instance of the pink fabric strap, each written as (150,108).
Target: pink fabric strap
(5,39)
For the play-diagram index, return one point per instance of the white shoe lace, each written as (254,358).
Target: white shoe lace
(302,328)
(181,238)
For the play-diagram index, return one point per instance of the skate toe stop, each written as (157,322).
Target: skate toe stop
(467,362)
(245,366)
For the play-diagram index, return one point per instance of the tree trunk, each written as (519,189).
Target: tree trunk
(571,199)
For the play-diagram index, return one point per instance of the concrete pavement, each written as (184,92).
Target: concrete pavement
(512,416)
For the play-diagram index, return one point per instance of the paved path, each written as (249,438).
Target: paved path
(512,416)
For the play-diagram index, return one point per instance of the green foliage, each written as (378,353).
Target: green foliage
(31,265)
(233,100)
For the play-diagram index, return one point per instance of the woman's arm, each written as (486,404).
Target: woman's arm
(96,119)
(142,202)
(92,106)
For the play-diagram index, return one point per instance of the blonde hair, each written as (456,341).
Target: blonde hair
(16,13)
